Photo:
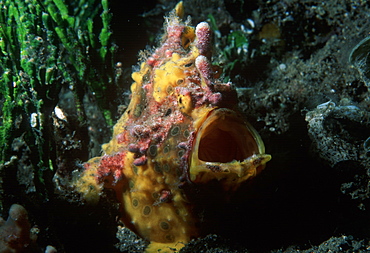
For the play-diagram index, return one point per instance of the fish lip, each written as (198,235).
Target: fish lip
(226,147)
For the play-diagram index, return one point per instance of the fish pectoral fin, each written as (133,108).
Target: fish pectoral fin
(85,182)
(158,247)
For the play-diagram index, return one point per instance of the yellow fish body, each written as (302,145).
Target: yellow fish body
(180,129)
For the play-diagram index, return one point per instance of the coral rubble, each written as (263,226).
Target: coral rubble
(338,133)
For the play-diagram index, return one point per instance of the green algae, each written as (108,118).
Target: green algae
(44,45)
(234,51)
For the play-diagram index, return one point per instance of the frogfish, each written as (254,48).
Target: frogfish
(181,132)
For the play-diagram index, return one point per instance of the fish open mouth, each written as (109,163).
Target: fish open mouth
(226,147)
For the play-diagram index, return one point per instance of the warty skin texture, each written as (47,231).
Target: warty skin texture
(181,129)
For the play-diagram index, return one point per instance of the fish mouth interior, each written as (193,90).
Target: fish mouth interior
(224,138)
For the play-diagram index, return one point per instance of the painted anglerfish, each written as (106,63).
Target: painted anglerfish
(181,129)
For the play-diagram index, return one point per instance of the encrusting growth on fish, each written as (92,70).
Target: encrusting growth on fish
(181,128)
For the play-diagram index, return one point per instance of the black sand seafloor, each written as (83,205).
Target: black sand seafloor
(303,78)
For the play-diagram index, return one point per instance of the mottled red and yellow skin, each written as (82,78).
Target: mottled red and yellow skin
(181,128)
